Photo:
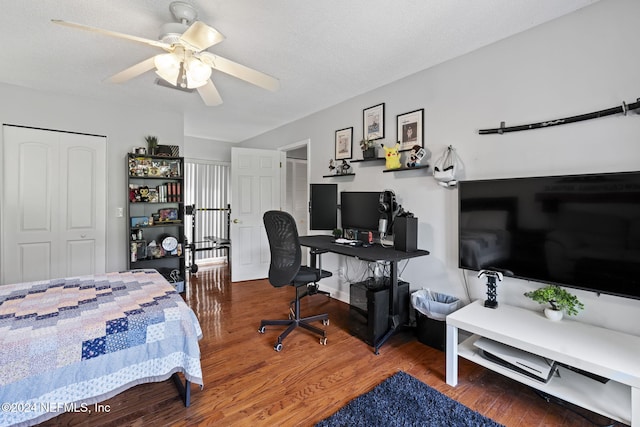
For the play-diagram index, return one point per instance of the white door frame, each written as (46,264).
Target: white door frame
(290,147)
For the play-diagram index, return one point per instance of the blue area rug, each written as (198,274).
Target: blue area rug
(402,400)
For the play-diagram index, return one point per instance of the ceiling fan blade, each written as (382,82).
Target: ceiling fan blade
(240,71)
(200,36)
(210,94)
(133,71)
(150,42)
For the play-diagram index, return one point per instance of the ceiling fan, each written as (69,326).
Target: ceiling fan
(186,63)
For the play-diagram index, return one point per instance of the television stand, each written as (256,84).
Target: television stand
(602,352)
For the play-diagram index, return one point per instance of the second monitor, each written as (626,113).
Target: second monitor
(359,210)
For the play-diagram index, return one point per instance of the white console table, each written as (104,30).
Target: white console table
(603,352)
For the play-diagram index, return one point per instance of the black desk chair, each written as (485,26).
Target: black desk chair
(285,270)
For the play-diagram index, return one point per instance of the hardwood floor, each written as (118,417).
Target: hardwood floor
(248,383)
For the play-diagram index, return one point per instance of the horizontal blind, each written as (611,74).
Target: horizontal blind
(207,185)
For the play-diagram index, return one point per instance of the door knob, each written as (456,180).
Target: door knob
(235,220)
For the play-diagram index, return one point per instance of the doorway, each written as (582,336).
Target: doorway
(296,186)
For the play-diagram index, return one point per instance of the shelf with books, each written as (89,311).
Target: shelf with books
(156,215)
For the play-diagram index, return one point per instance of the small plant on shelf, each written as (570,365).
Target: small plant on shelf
(366,143)
(368,147)
(558,298)
(152,143)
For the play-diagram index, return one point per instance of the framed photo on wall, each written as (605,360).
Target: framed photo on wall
(410,129)
(373,122)
(344,143)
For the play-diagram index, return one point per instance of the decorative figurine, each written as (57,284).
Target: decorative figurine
(492,293)
(392,156)
(344,167)
(416,154)
(331,166)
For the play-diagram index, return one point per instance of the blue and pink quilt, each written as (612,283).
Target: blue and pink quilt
(66,343)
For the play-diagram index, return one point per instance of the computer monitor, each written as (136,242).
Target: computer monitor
(323,207)
(359,210)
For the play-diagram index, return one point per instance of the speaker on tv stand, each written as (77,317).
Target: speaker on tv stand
(405,234)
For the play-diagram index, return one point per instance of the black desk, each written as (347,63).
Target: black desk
(372,254)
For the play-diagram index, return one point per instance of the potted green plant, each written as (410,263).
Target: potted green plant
(337,233)
(152,143)
(558,299)
(368,148)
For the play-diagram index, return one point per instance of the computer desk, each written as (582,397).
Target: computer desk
(372,253)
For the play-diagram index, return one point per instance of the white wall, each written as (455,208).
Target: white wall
(207,149)
(577,64)
(125,127)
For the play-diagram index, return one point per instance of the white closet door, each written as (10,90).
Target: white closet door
(54,204)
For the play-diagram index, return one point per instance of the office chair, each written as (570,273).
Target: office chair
(285,269)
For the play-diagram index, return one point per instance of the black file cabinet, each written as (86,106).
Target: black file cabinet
(369,309)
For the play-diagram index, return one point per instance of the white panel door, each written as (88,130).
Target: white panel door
(54,204)
(255,189)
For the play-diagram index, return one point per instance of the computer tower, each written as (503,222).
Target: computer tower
(405,234)
(369,309)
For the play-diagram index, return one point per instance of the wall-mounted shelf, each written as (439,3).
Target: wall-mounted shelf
(338,175)
(372,159)
(406,169)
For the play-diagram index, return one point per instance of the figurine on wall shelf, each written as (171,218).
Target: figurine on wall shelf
(331,166)
(344,167)
(416,155)
(392,156)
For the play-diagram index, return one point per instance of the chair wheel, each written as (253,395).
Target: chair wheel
(278,347)
(325,322)
(261,329)
(323,341)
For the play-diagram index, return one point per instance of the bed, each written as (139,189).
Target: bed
(69,343)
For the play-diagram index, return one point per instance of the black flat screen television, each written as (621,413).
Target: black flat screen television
(323,207)
(359,210)
(581,231)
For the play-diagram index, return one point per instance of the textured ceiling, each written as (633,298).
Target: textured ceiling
(323,52)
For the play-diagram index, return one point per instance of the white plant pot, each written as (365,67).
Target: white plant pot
(552,314)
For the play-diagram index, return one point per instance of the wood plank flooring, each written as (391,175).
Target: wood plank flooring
(248,383)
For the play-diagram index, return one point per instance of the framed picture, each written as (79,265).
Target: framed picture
(168,214)
(373,122)
(139,221)
(410,129)
(344,143)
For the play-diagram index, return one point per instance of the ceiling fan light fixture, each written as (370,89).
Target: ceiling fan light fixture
(197,73)
(168,67)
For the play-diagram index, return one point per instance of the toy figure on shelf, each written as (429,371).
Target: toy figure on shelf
(331,166)
(392,156)
(416,155)
(144,193)
(344,167)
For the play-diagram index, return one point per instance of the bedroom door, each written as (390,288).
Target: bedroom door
(54,204)
(255,189)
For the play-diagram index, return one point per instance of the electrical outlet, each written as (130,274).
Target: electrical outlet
(341,272)
(119,212)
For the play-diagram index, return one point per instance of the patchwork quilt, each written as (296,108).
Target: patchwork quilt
(68,343)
